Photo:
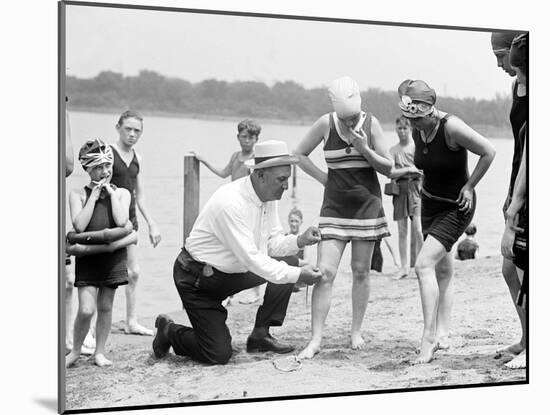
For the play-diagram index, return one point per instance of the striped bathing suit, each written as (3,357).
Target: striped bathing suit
(352,203)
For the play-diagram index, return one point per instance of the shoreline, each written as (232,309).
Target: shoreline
(485,130)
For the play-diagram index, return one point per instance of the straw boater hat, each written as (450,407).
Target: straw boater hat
(271,153)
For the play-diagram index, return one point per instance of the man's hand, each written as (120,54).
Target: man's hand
(309,275)
(311,236)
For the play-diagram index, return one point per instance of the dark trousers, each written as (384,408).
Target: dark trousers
(209,340)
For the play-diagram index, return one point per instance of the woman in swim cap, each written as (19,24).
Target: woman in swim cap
(442,143)
(355,150)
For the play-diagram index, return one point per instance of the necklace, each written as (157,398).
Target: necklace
(428,138)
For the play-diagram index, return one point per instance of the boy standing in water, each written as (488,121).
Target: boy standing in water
(126,169)
(248,132)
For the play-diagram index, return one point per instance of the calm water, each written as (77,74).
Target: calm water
(166,140)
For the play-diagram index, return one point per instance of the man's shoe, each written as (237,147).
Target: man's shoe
(161,345)
(267,344)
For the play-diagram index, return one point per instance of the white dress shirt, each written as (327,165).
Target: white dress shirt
(236,232)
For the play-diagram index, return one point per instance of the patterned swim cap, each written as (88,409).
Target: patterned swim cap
(95,152)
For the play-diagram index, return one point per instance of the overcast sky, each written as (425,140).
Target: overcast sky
(197,47)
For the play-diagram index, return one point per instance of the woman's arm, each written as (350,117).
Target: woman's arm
(519,193)
(379,157)
(461,134)
(402,171)
(312,139)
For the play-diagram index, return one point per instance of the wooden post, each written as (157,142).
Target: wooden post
(191,193)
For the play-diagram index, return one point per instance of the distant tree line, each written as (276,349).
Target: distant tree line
(288,100)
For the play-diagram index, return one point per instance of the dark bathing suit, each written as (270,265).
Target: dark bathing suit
(105,269)
(518,119)
(445,173)
(126,176)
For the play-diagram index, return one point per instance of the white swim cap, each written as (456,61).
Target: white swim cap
(345,96)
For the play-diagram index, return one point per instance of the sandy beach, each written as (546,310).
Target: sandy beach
(484,320)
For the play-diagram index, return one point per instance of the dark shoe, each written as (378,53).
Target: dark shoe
(161,345)
(267,344)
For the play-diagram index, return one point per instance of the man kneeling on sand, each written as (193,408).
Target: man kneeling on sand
(237,243)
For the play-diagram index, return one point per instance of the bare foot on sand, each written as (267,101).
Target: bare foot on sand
(100,360)
(518,362)
(401,273)
(137,329)
(357,342)
(311,350)
(427,351)
(443,343)
(514,349)
(250,300)
(71,358)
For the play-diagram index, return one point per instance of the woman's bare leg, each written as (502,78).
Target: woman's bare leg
(330,253)
(444,273)
(514,284)
(431,253)
(520,361)
(361,254)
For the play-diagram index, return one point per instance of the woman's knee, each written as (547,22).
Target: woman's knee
(329,274)
(423,265)
(360,270)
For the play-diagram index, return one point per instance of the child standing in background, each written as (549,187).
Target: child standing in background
(248,132)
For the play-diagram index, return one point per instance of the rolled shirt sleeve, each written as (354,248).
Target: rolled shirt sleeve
(234,230)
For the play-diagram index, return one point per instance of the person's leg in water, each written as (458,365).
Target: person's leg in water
(520,361)
(329,255)
(402,231)
(361,254)
(431,253)
(132,326)
(444,274)
(87,297)
(514,284)
(105,299)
